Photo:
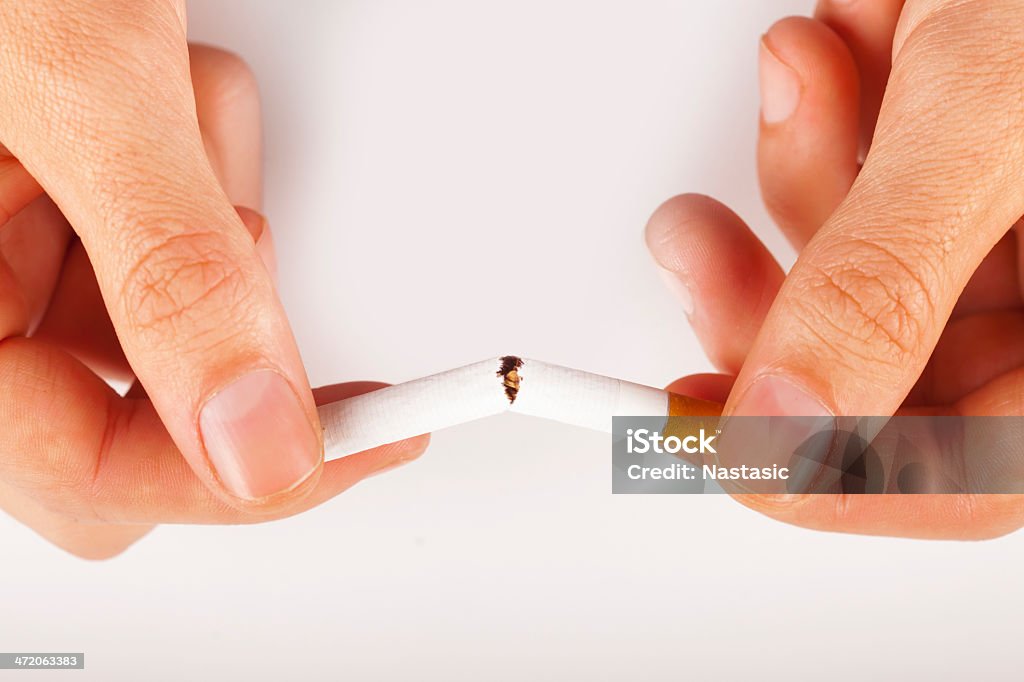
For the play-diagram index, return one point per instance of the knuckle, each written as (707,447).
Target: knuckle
(181,279)
(869,304)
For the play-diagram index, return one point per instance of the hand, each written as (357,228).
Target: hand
(907,290)
(121,255)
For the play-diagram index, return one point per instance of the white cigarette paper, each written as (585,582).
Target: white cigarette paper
(483,389)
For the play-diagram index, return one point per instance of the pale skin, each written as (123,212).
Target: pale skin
(132,248)
(122,254)
(906,294)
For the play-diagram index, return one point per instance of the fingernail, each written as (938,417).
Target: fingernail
(257,436)
(259,230)
(803,440)
(780,86)
(665,254)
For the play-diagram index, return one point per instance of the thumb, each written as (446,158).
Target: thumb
(121,153)
(859,315)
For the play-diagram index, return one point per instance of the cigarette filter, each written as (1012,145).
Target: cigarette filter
(483,389)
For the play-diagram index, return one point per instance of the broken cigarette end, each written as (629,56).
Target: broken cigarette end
(475,391)
(509,373)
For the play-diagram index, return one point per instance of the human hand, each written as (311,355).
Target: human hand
(907,290)
(122,255)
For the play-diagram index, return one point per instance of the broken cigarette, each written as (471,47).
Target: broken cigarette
(490,387)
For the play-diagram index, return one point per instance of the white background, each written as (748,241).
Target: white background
(452,180)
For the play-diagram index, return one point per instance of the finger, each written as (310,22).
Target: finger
(78,322)
(17,186)
(195,310)
(228,111)
(93,541)
(867,28)
(81,451)
(28,261)
(32,247)
(712,387)
(934,517)
(722,274)
(1001,396)
(947,516)
(807,147)
(227,108)
(995,284)
(230,121)
(862,309)
(923,516)
(971,352)
(259,229)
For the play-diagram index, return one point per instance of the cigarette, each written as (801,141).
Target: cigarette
(490,387)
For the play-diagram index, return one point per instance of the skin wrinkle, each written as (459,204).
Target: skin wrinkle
(891,317)
(833,343)
(860,286)
(921,127)
(144,224)
(839,358)
(941,185)
(926,253)
(112,424)
(874,380)
(919,300)
(930,255)
(181,275)
(107,121)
